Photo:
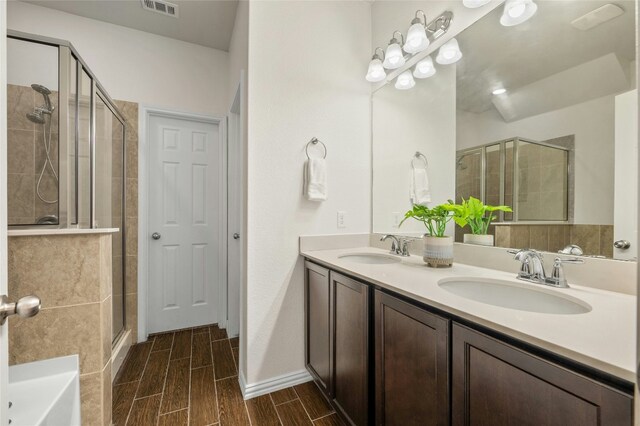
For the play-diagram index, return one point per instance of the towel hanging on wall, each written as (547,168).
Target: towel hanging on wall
(420,192)
(315,174)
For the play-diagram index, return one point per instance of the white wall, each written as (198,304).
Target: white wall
(307,62)
(591,122)
(133,65)
(405,121)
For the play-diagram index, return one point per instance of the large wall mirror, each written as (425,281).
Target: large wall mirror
(541,116)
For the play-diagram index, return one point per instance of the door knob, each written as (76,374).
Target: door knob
(236,236)
(622,244)
(26,307)
(156,236)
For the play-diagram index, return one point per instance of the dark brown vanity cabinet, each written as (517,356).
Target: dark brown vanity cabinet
(337,339)
(497,384)
(318,351)
(411,364)
(428,369)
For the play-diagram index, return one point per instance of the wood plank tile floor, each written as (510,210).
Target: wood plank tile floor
(190,377)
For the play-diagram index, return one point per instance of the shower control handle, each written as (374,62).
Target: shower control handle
(26,307)
(156,236)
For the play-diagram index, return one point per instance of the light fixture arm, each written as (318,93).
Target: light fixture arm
(395,40)
(440,25)
(417,19)
(375,53)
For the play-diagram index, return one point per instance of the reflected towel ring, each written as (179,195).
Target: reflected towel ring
(315,141)
(419,156)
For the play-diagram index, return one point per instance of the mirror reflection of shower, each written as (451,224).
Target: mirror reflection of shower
(42,115)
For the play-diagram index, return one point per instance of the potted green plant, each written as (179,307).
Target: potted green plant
(478,216)
(438,248)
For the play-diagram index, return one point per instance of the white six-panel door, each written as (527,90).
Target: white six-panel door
(185,167)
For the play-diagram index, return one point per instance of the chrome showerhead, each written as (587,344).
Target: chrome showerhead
(36,117)
(41,89)
(45,92)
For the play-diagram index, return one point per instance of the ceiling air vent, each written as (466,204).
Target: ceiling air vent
(161,6)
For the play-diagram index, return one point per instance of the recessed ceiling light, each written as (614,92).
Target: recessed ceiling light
(499,91)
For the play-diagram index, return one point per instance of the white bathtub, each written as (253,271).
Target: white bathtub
(45,393)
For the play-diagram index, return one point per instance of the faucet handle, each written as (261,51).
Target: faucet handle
(404,246)
(558,278)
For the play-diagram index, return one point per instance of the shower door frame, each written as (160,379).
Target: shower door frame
(66,52)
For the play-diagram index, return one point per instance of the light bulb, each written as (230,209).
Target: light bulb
(500,91)
(417,40)
(517,11)
(376,71)
(473,4)
(424,68)
(405,81)
(449,53)
(393,57)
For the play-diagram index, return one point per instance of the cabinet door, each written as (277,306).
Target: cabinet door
(497,384)
(318,342)
(412,364)
(350,327)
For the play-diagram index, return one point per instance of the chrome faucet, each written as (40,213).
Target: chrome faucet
(532,268)
(399,245)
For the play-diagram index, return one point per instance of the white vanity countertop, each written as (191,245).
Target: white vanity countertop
(604,338)
(59,231)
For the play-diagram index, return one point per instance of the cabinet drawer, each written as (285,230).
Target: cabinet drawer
(497,384)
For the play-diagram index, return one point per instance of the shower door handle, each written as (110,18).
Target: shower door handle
(156,236)
(26,307)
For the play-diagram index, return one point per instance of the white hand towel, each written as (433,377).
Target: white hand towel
(315,174)
(420,190)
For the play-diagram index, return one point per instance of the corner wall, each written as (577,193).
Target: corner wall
(306,78)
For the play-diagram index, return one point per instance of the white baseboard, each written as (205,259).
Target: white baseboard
(264,387)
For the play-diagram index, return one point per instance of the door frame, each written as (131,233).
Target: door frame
(144,147)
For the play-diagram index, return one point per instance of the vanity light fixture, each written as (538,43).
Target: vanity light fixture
(474,4)
(500,91)
(517,11)
(417,39)
(449,53)
(393,57)
(376,71)
(405,81)
(424,68)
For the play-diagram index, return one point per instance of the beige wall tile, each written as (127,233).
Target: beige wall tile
(106,273)
(556,237)
(91,399)
(132,197)
(20,101)
(503,236)
(61,270)
(131,281)
(520,236)
(539,237)
(587,237)
(58,332)
(106,330)
(132,315)
(606,240)
(20,196)
(106,395)
(131,235)
(21,151)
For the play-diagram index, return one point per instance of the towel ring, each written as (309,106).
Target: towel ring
(420,156)
(315,141)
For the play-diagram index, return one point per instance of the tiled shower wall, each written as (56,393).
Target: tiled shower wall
(130,112)
(594,240)
(26,156)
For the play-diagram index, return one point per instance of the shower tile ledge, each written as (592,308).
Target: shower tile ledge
(66,231)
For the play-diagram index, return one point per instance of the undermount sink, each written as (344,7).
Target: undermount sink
(370,258)
(515,296)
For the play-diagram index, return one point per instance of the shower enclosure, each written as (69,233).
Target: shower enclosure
(65,148)
(532,177)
